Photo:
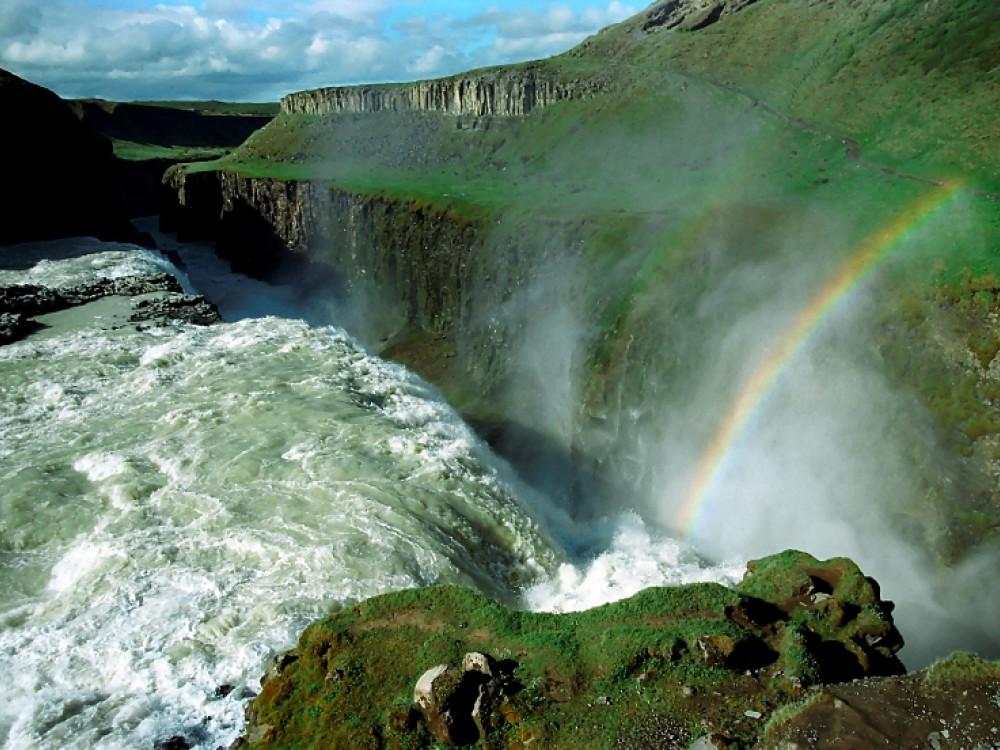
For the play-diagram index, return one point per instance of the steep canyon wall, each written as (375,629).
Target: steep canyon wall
(416,254)
(511,91)
(61,179)
(480,290)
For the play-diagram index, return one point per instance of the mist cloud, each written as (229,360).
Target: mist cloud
(261,49)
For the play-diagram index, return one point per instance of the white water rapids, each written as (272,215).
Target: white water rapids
(177,503)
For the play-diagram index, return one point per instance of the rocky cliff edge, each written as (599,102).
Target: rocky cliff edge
(508,91)
(801,654)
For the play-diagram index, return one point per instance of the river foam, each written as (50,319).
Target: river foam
(178,502)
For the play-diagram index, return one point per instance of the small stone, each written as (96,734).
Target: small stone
(753,714)
(476,662)
(261,733)
(716,650)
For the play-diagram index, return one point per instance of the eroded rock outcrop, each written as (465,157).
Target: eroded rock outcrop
(493,92)
(446,665)
(950,706)
(157,298)
(689,15)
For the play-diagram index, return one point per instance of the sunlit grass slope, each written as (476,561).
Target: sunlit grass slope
(916,82)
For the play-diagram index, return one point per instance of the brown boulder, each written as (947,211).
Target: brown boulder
(458,707)
(951,706)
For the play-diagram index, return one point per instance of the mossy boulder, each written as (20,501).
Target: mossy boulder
(836,621)
(676,663)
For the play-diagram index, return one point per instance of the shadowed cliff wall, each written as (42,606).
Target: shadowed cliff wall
(60,178)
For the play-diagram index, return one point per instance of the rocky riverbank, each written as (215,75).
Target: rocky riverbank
(152,298)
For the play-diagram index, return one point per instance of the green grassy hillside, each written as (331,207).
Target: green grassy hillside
(914,82)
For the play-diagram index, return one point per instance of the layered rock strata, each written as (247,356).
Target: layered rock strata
(503,92)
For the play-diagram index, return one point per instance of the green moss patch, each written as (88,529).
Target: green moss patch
(687,660)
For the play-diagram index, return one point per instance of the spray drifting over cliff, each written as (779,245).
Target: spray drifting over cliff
(761,417)
(613,289)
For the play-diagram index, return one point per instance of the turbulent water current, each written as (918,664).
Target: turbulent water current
(178,502)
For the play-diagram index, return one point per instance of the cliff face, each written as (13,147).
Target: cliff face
(52,154)
(452,277)
(421,257)
(493,92)
(258,223)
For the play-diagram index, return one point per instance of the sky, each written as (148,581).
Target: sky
(259,50)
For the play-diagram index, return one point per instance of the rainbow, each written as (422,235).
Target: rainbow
(761,381)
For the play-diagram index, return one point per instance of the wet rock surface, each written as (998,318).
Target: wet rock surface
(13,326)
(29,299)
(157,298)
(186,308)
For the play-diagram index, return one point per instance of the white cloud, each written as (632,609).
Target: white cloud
(18,17)
(261,49)
(537,46)
(430,61)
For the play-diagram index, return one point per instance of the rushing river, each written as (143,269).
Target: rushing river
(177,503)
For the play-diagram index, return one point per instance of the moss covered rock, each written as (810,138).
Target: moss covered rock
(660,669)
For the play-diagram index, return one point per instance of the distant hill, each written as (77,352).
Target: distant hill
(178,130)
(149,137)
